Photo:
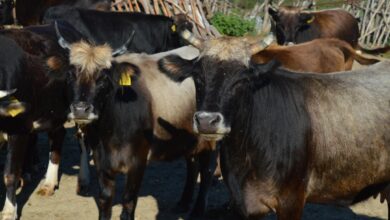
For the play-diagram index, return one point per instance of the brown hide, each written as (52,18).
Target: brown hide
(319,24)
(319,56)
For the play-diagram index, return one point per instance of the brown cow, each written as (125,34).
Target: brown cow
(294,25)
(318,56)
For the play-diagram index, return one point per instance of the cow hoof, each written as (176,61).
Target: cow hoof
(126,216)
(82,190)
(8,215)
(181,208)
(46,190)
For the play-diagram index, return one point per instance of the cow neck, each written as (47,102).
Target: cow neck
(270,130)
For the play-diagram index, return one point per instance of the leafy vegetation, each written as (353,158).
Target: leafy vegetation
(232,25)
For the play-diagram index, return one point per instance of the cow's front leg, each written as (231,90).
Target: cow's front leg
(84,176)
(207,164)
(188,192)
(56,139)
(133,183)
(106,193)
(291,205)
(17,145)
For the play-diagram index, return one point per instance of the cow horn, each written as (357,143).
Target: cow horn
(61,40)
(308,5)
(264,43)
(121,50)
(272,6)
(4,93)
(192,39)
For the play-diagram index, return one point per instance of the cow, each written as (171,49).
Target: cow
(153,33)
(293,25)
(33,71)
(6,8)
(171,134)
(31,12)
(287,137)
(38,89)
(322,55)
(118,134)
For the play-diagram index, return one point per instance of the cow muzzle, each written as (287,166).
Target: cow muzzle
(82,113)
(210,125)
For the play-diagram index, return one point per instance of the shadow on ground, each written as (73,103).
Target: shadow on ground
(161,189)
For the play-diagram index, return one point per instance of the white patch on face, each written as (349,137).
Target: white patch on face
(3,137)
(89,119)
(220,133)
(52,175)
(36,125)
(9,211)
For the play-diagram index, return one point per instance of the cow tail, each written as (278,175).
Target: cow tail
(363,60)
(374,51)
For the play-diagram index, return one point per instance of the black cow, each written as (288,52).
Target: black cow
(6,8)
(40,89)
(290,138)
(295,25)
(153,33)
(118,132)
(171,118)
(30,12)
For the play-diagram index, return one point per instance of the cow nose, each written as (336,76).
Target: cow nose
(208,122)
(81,109)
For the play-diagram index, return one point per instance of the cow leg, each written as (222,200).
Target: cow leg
(56,139)
(207,163)
(17,145)
(31,161)
(83,179)
(385,195)
(133,183)
(291,208)
(188,192)
(106,194)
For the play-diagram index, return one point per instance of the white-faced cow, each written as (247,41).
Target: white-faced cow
(289,138)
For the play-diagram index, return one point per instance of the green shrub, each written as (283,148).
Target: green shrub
(232,25)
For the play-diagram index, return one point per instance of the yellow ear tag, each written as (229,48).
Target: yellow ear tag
(15,111)
(125,79)
(173,28)
(310,20)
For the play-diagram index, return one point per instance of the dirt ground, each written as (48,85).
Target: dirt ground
(161,188)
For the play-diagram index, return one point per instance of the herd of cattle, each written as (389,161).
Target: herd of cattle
(285,134)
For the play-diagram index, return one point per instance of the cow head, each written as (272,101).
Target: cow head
(89,77)
(289,22)
(220,75)
(6,8)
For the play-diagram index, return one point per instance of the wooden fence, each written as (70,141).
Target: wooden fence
(194,9)
(374,22)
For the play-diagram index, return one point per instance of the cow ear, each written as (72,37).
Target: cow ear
(274,13)
(54,63)
(181,23)
(269,67)
(176,68)
(306,18)
(127,74)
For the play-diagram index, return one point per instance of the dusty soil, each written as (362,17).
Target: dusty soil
(161,188)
